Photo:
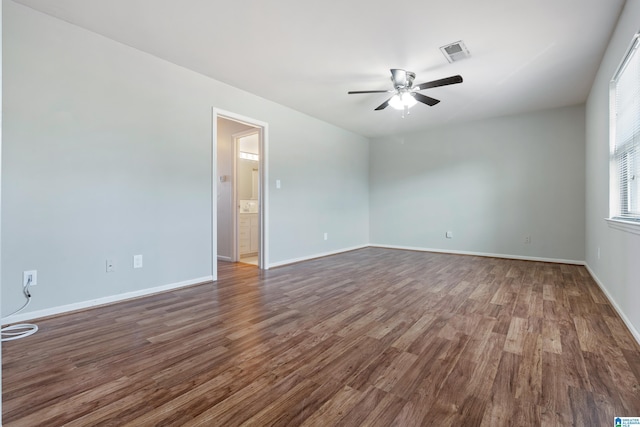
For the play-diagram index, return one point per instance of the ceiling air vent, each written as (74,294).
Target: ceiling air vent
(455,51)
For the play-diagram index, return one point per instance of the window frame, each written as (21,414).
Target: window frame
(624,191)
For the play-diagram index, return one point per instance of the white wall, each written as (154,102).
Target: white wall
(107,154)
(618,267)
(226,129)
(322,191)
(490,182)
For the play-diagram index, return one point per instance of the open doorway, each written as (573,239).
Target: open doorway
(239,145)
(246,195)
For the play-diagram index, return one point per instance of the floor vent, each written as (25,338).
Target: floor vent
(455,51)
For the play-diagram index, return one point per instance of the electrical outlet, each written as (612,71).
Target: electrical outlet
(527,240)
(29,277)
(137,261)
(326,236)
(111,265)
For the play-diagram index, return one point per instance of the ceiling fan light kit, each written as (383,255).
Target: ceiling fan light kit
(402,101)
(405,94)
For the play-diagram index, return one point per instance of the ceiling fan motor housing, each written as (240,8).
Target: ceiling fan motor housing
(402,79)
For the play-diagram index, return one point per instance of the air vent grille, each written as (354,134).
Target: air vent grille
(455,51)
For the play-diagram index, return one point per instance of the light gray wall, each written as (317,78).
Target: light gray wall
(618,267)
(107,154)
(226,129)
(322,191)
(491,183)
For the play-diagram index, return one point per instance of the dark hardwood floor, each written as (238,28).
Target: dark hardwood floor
(371,337)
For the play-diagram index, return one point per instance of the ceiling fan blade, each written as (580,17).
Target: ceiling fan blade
(368,91)
(442,82)
(399,77)
(384,105)
(425,99)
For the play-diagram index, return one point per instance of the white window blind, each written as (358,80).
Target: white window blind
(625,137)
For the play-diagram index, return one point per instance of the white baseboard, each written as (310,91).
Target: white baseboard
(309,257)
(20,317)
(224,258)
(485,254)
(615,305)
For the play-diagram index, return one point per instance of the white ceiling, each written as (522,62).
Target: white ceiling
(525,54)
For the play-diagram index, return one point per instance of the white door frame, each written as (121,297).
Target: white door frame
(263,191)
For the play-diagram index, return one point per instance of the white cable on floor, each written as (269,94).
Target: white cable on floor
(21,330)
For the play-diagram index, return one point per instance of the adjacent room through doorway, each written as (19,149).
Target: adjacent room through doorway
(239,195)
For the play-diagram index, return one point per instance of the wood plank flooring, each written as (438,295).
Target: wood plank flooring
(373,337)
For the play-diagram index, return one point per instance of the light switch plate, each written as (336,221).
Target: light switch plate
(137,261)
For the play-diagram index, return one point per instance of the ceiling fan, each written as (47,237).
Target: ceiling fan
(405,93)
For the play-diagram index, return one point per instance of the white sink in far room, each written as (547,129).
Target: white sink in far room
(248,206)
